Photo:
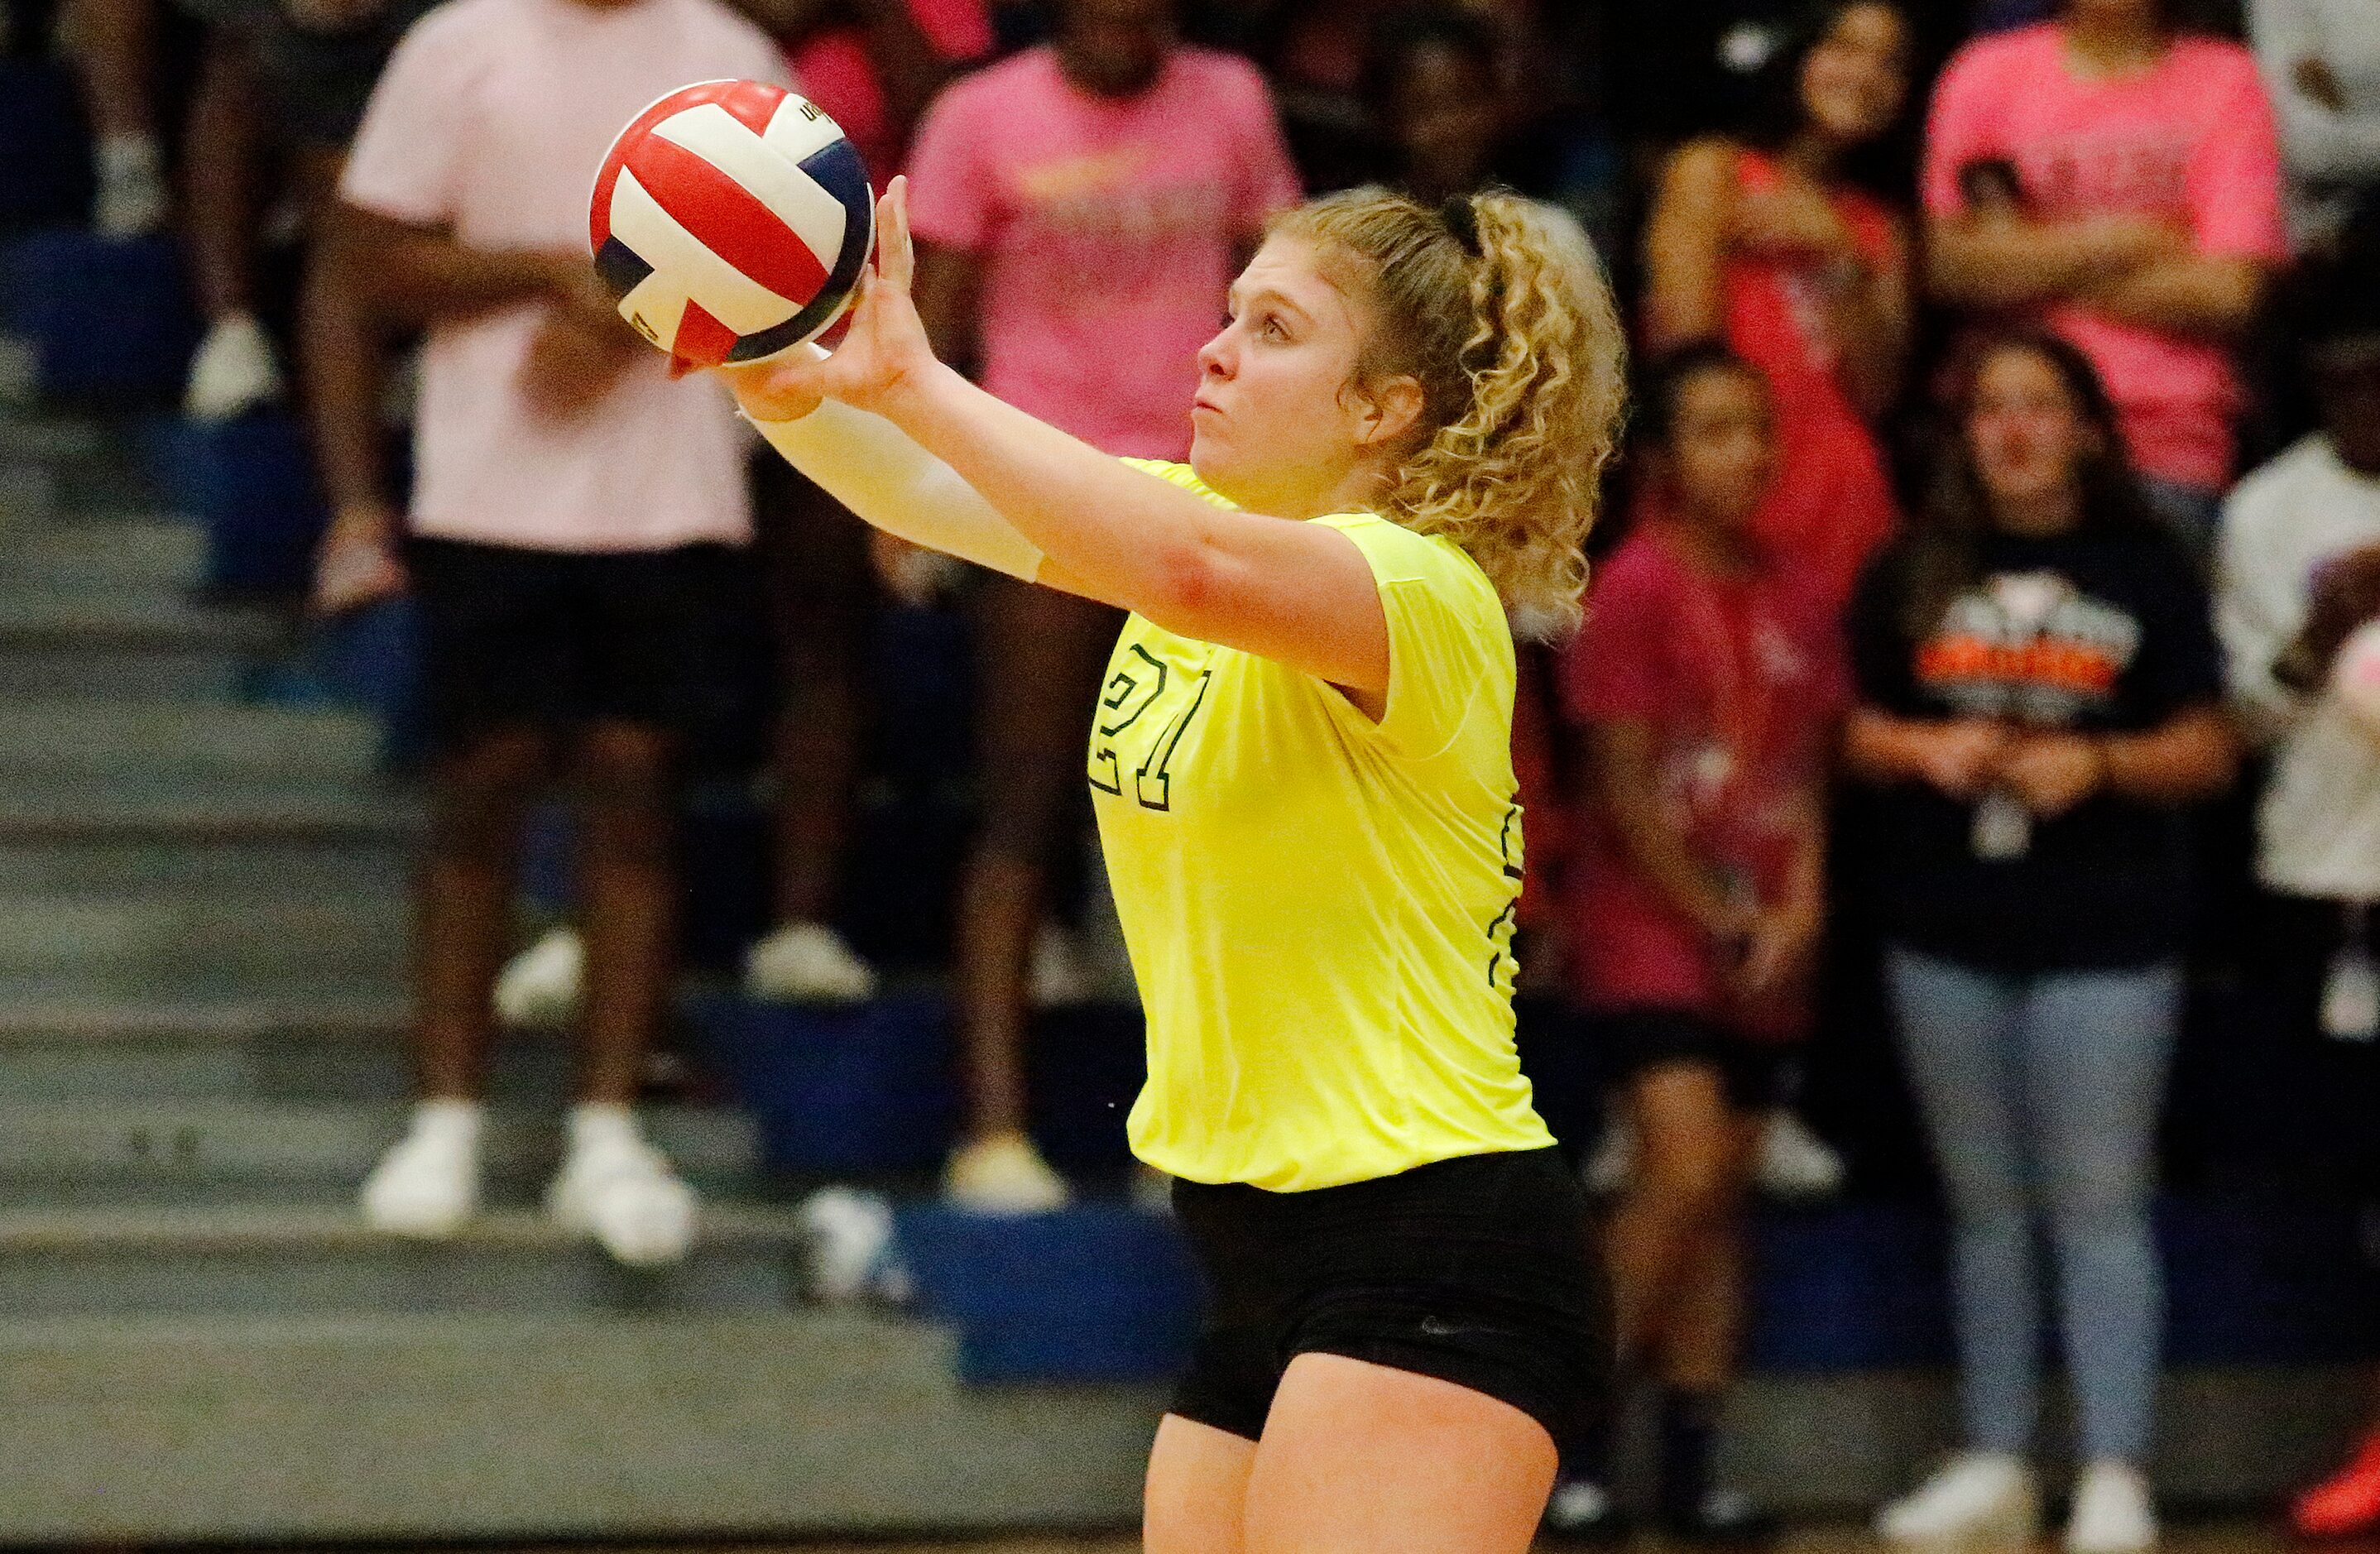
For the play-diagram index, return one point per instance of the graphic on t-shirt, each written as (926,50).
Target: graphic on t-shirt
(2029,646)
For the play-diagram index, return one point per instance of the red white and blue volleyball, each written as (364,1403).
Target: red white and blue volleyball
(731,219)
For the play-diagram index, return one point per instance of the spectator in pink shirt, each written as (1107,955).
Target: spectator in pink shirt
(1079,208)
(2147,215)
(570,530)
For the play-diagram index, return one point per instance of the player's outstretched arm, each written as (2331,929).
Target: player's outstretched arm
(1300,594)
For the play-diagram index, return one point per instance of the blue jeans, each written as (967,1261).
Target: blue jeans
(2041,1093)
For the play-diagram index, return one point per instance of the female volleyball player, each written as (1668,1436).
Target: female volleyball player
(1302,768)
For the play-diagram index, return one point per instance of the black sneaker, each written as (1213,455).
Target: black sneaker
(1718,1516)
(1580,1511)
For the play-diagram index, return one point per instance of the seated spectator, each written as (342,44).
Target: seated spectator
(2039,695)
(1707,684)
(571,522)
(1769,243)
(2300,572)
(2321,60)
(2149,190)
(1443,126)
(1078,209)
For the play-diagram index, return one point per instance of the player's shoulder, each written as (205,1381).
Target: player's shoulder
(1213,70)
(456,35)
(1180,475)
(1400,555)
(721,23)
(2009,56)
(998,81)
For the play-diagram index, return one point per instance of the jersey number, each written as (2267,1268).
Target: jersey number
(1130,692)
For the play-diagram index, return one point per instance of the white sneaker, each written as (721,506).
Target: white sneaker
(541,988)
(427,1183)
(1613,1164)
(1794,1162)
(806,962)
(233,372)
(131,199)
(1004,1175)
(2113,1514)
(1975,1498)
(618,1188)
(1055,977)
(1152,1190)
(851,1252)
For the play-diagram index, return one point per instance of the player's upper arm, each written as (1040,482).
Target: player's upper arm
(1686,245)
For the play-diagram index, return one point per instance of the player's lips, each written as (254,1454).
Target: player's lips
(1203,403)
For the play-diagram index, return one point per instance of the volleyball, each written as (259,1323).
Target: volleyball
(731,219)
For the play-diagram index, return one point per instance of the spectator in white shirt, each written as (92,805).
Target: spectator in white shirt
(2321,60)
(2300,572)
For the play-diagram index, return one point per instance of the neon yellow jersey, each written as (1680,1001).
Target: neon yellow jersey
(1319,908)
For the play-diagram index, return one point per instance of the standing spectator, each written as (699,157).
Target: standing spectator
(1768,243)
(1079,208)
(571,519)
(2040,693)
(875,64)
(115,46)
(2322,65)
(2148,214)
(1706,685)
(2300,572)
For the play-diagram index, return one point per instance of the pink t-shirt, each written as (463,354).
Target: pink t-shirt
(491,121)
(1740,681)
(2191,142)
(837,74)
(1108,230)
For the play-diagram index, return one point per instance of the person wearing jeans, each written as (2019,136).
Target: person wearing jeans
(2039,693)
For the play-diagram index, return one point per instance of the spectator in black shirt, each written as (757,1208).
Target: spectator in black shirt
(2040,690)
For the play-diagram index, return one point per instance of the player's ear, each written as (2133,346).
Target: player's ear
(1386,411)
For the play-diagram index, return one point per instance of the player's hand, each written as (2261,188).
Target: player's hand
(1781,950)
(573,361)
(885,349)
(2053,773)
(1958,760)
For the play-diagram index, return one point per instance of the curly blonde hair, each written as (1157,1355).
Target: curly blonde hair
(1499,309)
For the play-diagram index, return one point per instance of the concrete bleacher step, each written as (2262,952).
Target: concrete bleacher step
(286,1046)
(180,743)
(280,1258)
(59,644)
(395,1427)
(187,1153)
(147,554)
(167,939)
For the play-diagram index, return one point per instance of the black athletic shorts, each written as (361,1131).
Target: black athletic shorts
(1482,1271)
(1752,1072)
(514,637)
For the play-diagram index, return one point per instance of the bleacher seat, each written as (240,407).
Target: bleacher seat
(252,484)
(44,154)
(839,1092)
(110,320)
(1095,1292)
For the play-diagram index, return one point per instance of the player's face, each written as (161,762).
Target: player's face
(1722,447)
(1114,48)
(2028,436)
(1854,81)
(1277,422)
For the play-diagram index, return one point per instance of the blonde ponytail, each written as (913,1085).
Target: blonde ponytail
(1498,307)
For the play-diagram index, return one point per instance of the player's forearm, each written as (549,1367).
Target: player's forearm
(2215,298)
(2016,263)
(415,277)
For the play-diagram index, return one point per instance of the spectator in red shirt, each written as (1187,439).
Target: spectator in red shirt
(1766,241)
(1705,681)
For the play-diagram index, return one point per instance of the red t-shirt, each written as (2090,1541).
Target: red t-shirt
(1739,679)
(1832,504)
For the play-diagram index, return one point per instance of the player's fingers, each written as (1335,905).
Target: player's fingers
(895,258)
